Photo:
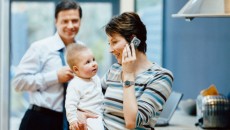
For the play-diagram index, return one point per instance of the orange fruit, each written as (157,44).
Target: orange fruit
(211,90)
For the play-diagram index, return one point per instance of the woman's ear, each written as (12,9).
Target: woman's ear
(75,69)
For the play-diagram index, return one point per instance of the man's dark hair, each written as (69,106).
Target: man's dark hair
(67,5)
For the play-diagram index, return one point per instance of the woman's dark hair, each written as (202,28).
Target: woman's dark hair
(127,25)
(67,5)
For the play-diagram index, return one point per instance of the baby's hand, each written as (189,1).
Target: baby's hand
(77,125)
(73,126)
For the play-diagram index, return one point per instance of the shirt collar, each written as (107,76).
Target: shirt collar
(58,43)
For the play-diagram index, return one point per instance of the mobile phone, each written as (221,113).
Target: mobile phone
(136,42)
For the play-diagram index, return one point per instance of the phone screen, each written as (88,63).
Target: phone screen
(136,42)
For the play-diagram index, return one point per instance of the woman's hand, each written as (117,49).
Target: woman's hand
(81,123)
(128,60)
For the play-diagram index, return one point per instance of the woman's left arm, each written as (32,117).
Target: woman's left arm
(139,112)
(154,96)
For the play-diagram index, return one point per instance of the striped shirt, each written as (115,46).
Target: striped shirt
(152,88)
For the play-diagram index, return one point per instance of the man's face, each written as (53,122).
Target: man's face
(68,24)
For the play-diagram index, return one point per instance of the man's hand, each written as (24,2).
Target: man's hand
(65,74)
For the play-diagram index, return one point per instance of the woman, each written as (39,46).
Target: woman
(135,88)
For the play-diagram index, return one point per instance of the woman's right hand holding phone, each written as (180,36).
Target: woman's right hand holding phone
(128,59)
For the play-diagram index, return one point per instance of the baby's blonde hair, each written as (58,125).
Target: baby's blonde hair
(73,52)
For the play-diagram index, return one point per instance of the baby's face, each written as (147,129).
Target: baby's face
(87,66)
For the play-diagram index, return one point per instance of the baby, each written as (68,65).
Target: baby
(84,91)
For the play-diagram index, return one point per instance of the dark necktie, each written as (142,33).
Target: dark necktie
(65,122)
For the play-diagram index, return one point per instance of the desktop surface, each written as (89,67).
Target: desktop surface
(180,121)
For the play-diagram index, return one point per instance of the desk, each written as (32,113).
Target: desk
(180,121)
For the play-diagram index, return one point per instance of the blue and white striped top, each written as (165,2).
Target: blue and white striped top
(152,88)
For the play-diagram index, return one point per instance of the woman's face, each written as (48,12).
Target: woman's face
(117,44)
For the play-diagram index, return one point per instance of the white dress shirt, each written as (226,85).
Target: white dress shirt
(37,73)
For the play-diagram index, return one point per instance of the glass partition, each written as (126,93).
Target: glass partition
(31,22)
(28,24)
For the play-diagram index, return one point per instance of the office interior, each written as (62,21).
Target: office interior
(197,51)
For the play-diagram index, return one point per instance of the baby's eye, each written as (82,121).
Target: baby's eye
(87,62)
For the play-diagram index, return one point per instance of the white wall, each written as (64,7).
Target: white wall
(126,5)
(4,64)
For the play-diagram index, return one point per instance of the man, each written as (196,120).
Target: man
(42,71)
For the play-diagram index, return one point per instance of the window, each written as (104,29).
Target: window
(151,14)
(30,22)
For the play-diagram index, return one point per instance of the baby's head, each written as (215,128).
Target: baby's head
(81,60)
